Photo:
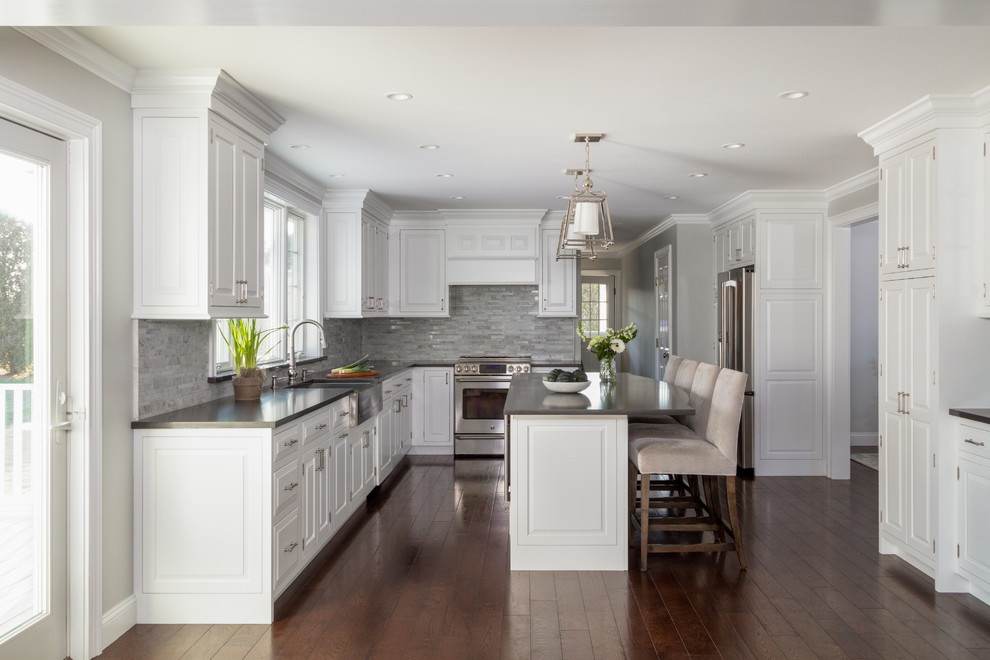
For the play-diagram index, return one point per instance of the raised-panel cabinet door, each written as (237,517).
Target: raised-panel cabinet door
(315,499)
(891,457)
(250,249)
(339,490)
(919,482)
(892,352)
(920,212)
(974,533)
(721,250)
(747,239)
(384,453)
(558,280)
(892,186)
(224,159)
(438,404)
(423,273)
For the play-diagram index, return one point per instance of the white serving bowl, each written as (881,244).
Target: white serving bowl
(570,387)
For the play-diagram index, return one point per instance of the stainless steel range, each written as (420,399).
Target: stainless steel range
(481,384)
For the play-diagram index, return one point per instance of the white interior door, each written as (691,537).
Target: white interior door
(33,376)
(664,298)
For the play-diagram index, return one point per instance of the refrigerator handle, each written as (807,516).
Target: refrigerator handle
(727,343)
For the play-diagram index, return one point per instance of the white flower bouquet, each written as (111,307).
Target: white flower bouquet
(607,345)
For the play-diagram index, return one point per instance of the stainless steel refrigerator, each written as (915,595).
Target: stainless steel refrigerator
(735,347)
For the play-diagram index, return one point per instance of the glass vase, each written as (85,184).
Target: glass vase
(606,368)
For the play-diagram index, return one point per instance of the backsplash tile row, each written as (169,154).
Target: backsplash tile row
(173,356)
(484,320)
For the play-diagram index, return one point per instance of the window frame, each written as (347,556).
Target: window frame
(280,267)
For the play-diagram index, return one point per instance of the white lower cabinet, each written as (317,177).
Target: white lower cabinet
(434,389)
(394,429)
(973,475)
(225,519)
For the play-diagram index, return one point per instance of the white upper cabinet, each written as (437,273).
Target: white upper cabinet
(558,279)
(355,255)
(422,278)
(907,209)
(198,188)
(735,244)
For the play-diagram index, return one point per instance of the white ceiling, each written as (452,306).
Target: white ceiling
(502,101)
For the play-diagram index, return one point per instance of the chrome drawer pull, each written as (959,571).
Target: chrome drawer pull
(290,442)
(290,547)
(291,486)
(319,427)
(974,442)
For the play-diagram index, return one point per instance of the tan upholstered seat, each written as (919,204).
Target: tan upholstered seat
(705,446)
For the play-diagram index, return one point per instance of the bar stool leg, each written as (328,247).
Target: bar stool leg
(644,524)
(730,496)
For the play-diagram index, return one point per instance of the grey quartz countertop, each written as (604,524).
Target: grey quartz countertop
(628,395)
(275,408)
(972,414)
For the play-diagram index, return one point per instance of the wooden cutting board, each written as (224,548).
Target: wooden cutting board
(362,374)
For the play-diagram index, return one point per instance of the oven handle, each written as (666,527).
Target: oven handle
(471,379)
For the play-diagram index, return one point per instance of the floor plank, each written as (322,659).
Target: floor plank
(425,574)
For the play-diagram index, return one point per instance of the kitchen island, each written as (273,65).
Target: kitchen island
(567,472)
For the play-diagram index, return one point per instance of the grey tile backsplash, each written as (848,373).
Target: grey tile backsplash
(173,356)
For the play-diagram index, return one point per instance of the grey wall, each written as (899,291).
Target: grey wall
(864,330)
(692,279)
(31,65)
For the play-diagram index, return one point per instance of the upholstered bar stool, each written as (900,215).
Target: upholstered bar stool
(706,446)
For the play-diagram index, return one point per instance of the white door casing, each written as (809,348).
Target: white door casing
(664,296)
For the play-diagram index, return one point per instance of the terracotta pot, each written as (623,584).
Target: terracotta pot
(247,389)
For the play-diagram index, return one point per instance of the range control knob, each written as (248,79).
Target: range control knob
(474,369)
(526,368)
(457,369)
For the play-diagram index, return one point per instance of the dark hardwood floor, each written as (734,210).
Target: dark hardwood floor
(425,575)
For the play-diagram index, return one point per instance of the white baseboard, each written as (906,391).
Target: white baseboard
(117,620)
(864,439)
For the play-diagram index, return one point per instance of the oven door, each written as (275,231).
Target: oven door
(479,405)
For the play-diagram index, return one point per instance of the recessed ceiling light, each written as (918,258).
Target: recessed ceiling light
(697,175)
(562,197)
(733,145)
(670,197)
(445,176)
(336,176)
(399,96)
(299,146)
(429,147)
(457,196)
(792,95)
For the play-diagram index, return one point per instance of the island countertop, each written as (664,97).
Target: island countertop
(628,395)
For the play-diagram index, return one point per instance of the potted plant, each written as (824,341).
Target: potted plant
(244,343)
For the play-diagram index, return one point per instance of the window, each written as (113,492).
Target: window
(595,304)
(285,290)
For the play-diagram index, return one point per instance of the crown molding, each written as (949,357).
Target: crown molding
(853,184)
(418,218)
(752,201)
(358,199)
(928,113)
(205,88)
(79,50)
(292,186)
(662,226)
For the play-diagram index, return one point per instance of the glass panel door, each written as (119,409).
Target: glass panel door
(33,401)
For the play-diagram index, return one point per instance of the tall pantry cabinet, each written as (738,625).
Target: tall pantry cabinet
(930,265)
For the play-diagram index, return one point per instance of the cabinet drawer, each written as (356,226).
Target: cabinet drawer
(340,412)
(286,550)
(287,484)
(974,440)
(315,427)
(286,442)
